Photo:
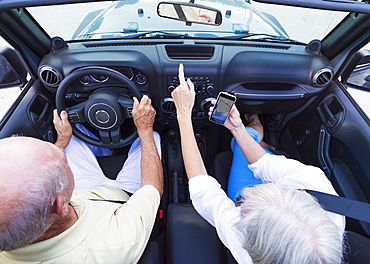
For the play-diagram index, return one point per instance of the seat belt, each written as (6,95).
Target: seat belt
(111,201)
(344,206)
(179,12)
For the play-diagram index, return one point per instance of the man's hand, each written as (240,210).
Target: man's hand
(63,128)
(184,95)
(150,164)
(143,114)
(205,18)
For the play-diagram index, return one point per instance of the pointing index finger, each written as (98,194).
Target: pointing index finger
(181,74)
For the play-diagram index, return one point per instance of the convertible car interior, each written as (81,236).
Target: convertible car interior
(300,89)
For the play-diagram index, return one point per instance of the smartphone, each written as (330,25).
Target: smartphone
(221,111)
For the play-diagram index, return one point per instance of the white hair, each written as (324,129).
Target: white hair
(32,210)
(287,226)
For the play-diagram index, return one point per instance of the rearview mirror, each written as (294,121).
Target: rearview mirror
(189,13)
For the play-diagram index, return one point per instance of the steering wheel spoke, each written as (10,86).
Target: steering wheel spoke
(127,104)
(76,113)
(110,137)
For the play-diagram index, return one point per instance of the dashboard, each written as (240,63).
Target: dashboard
(265,77)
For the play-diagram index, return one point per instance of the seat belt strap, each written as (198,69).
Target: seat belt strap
(179,12)
(344,206)
(111,201)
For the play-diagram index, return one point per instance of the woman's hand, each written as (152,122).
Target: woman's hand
(184,95)
(233,121)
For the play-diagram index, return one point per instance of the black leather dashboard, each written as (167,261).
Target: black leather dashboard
(265,77)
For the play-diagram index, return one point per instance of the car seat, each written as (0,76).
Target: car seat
(191,239)
(151,254)
(111,165)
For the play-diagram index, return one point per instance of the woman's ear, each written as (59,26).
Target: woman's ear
(61,206)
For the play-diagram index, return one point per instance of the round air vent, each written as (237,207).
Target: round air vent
(206,104)
(323,76)
(50,76)
(168,105)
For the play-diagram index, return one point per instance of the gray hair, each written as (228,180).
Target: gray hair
(287,226)
(33,209)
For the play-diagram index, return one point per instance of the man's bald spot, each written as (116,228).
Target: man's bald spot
(20,158)
(25,150)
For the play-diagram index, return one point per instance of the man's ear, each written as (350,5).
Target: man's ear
(61,205)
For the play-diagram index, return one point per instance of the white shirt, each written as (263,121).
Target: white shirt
(212,203)
(105,232)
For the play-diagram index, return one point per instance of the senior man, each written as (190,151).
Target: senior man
(276,223)
(44,221)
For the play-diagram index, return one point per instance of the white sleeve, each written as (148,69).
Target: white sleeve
(291,173)
(212,203)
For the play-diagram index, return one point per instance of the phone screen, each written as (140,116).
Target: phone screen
(222,108)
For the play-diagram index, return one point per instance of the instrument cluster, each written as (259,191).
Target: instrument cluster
(133,74)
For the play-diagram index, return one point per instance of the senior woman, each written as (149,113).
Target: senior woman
(276,223)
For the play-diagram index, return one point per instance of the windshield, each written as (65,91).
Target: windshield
(139,19)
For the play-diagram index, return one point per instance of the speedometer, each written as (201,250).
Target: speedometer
(128,72)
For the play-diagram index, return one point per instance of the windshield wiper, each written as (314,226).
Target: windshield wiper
(159,34)
(282,39)
(121,35)
(266,37)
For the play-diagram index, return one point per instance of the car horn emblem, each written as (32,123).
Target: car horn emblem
(102,116)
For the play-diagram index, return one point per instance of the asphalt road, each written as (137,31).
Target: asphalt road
(70,15)
(7,97)
(298,22)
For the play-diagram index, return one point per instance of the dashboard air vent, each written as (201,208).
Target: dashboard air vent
(194,52)
(50,76)
(323,76)
(168,105)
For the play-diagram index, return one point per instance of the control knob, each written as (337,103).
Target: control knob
(210,89)
(171,88)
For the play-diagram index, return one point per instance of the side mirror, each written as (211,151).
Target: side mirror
(357,70)
(12,71)
(189,13)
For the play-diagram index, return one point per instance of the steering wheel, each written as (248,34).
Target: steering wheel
(104,110)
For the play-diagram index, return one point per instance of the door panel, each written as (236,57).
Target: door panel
(336,139)
(32,115)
